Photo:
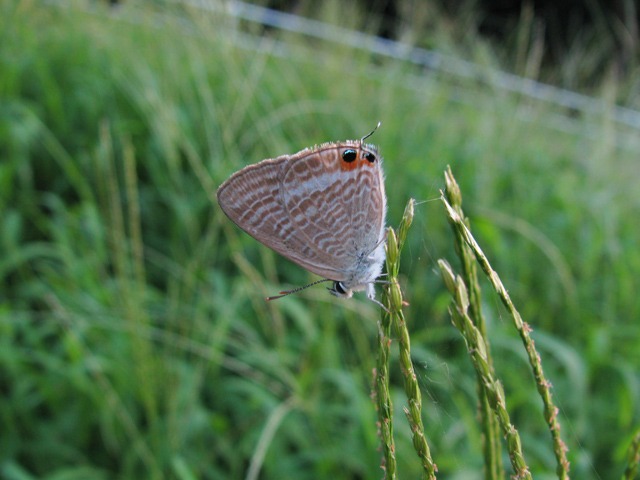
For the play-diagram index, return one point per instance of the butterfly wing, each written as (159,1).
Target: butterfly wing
(338,205)
(310,208)
(252,199)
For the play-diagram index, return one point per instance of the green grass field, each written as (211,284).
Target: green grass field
(135,341)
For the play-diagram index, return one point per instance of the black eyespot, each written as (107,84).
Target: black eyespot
(349,155)
(370,156)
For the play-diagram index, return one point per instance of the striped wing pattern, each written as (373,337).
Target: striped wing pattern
(314,208)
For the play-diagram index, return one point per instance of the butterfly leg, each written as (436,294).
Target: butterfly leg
(371,294)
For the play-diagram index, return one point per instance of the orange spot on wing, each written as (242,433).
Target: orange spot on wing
(358,163)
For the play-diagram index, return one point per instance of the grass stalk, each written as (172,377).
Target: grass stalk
(394,315)
(492,388)
(542,384)
(489,422)
(633,458)
(383,398)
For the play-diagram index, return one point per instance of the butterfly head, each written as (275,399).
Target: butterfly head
(339,290)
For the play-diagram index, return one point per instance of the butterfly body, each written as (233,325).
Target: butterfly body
(323,208)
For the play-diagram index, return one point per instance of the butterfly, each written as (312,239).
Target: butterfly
(323,208)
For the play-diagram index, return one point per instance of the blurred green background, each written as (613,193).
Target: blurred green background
(135,341)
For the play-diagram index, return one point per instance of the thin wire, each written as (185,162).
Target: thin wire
(425,58)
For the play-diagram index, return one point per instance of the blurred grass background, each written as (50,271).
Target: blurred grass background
(135,341)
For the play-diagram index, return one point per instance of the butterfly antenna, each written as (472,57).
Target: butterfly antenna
(296,290)
(371,132)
